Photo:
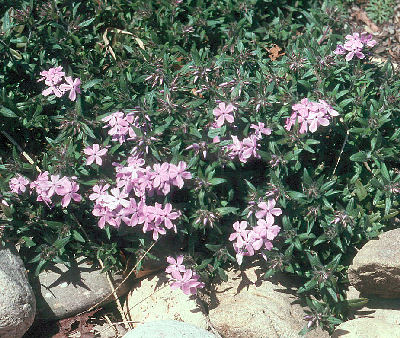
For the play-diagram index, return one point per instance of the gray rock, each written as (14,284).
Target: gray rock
(63,292)
(246,306)
(152,299)
(168,329)
(376,267)
(366,328)
(387,310)
(17,300)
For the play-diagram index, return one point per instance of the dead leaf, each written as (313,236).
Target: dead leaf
(194,92)
(274,52)
(68,326)
(362,16)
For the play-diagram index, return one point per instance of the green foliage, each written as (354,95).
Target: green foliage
(380,11)
(337,187)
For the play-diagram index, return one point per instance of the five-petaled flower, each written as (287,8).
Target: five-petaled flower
(94,153)
(224,113)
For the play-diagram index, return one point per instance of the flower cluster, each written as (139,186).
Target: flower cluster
(244,150)
(354,45)
(310,115)
(116,206)
(122,125)
(53,78)
(181,277)
(248,241)
(47,188)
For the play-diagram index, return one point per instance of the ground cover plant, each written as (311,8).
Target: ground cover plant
(243,128)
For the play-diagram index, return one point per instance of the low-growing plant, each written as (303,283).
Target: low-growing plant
(380,11)
(177,118)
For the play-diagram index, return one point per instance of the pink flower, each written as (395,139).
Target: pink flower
(339,50)
(18,184)
(188,282)
(94,154)
(260,130)
(73,86)
(52,89)
(223,112)
(53,76)
(70,192)
(315,120)
(366,39)
(268,210)
(177,173)
(99,192)
(117,198)
(249,149)
(175,265)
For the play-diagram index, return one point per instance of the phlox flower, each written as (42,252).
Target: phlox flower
(315,120)
(249,149)
(354,45)
(268,210)
(223,113)
(53,76)
(178,173)
(18,184)
(52,89)
(115,199)
(267,229)
(260,130)
(175,265)
(73,86)
(70,191)
(94,154)
(310,115)
(99,191)
(187,281)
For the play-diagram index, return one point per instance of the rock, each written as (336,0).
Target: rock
(63,292)
(168,329)
(366,328)
(153,299)
(387,310)
(376,267)
(17,300)
(247,306)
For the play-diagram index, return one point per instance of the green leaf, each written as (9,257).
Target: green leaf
(296,195)
(61,242)
(385,172)
(222,274)
(308,286)
(213,247)
(361,156)
(7,112)
(86,23)
(78,236)
(360,190)
(216,181)
(227,210)
(91,83)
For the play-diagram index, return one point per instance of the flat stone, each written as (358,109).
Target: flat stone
(63,292)
(17,300)
(376,267)
(168,329)
(387,310)
(366,328)
(153,299)
(248,306)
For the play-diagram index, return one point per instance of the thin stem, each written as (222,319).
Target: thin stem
(341,151)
